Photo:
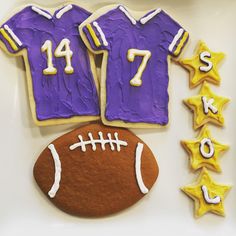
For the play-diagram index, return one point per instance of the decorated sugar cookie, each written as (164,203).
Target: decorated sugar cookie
(207,107)
(204,151)
(60,72)
(208,195)
(203,66)
(96,170)
(135,64)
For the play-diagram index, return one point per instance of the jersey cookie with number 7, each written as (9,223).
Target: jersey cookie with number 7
(61,76)
(134,79)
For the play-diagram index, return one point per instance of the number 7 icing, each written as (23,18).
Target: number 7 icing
(134,77)
(60,71)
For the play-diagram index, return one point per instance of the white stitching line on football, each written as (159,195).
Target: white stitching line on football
(100,141)
(57,178)
(139,178)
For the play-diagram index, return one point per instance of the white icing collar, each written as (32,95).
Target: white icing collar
(144,19)
(58,13)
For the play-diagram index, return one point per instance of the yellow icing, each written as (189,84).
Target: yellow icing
(181,44)
(93,35)
(196,105)
(193,64)
(194,191)
(9,40)
(197,161)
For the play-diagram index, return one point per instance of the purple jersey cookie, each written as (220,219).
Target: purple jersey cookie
(62,81)
(137,62)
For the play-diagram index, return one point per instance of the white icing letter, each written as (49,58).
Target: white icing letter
(57,178)
(47,47)
(203,56)
(67,53)
(146,54)
(208,105)
(207,198)
(210,153)
(138,155)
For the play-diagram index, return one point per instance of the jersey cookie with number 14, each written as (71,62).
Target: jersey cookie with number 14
(134,77)
(60,71)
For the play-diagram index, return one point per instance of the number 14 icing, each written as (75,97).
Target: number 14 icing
(135,64)
(60,71)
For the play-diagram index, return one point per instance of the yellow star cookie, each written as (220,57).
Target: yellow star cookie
(208,196)
(204,151)
(203,65)
(207,107)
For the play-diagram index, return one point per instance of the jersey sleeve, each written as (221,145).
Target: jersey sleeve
(12,32)
(175,36)
(98,32)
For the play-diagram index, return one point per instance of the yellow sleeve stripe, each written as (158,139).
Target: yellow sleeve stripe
(8,39)
(181,44)
(93,35)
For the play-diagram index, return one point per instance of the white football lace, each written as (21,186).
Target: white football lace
(114,143)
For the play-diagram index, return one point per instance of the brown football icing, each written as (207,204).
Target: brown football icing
(97,182)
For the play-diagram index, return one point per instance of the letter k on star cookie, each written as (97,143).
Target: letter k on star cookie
(208,195)
(203,66)
(207,107)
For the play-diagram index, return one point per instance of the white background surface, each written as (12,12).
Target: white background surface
(24,210)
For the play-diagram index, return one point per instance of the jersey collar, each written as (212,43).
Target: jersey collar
(58,13)
(144,19)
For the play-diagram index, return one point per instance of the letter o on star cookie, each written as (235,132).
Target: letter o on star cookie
(203,143)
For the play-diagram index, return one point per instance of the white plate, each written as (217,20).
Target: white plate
(24,210)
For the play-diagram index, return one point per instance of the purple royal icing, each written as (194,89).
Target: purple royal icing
(61,95)
(149,102)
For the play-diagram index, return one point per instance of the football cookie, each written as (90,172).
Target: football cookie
(204,151)
(95,170)
(61,76)
(134,74)
(203,66)
(208,196)
(207,107)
